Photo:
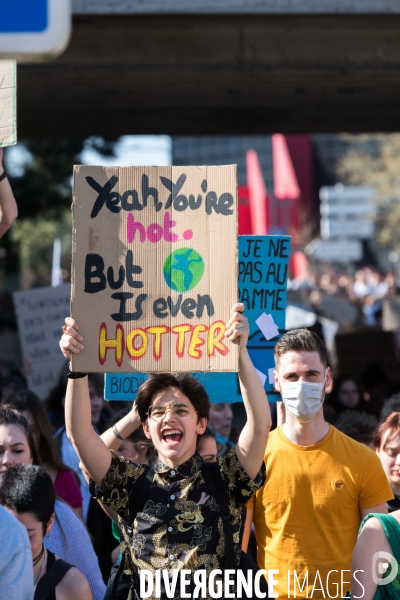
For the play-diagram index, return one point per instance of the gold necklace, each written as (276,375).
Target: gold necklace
(42,569)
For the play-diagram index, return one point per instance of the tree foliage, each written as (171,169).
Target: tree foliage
(381,170)
(43,192)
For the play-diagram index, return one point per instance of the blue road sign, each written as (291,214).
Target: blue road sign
(34,28)
(23,16)
(263,271)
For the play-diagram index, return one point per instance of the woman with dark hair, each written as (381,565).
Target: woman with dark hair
(65,481)
(346,394)
(27,492)
(68,537)
(16,440)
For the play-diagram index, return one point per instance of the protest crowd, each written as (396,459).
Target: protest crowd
(173,484)
(364,290)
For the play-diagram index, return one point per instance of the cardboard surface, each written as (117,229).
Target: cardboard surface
(263,270)
(40,315)
(154,271)
(8,102)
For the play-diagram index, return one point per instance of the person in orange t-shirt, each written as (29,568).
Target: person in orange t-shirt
(320,483)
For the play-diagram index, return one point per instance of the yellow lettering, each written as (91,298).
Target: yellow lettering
(157,331)
(181,330)
(195,341)
(134,352)
(116,344)
(215,334)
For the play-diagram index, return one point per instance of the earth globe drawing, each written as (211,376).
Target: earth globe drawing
(183,269)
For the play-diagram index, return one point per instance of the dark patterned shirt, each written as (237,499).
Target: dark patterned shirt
(180,526)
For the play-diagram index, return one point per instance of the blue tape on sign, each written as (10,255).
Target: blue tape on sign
(24,16)
(263,272)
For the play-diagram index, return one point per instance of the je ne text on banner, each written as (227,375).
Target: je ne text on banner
(263,272)
(154,268)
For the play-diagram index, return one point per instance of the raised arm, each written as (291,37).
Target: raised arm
(250,448)
(125,426)
(92,451)
(8,205)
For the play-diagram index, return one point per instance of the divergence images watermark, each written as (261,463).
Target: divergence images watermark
(232,583)
(216,584)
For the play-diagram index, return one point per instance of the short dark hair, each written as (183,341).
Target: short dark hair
(207,434)
(301,340)
(358,425)
(188,385)
(10,416)
(28,488)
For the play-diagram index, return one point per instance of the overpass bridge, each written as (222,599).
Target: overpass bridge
(188,67)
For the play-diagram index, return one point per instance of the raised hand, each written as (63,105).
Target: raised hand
(237,328)
(71,340)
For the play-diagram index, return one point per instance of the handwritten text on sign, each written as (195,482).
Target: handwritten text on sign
(263,271)
(154,267)
(40,314)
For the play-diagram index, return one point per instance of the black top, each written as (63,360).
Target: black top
(180,525)
(394,504)
(55,571)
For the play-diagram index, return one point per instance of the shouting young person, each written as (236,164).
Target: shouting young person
(179,525)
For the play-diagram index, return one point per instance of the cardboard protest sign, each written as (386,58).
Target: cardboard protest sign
(8,102)
(40,314)
(154,268)
(263,272)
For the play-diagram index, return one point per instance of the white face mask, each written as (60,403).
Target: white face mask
(303,399)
